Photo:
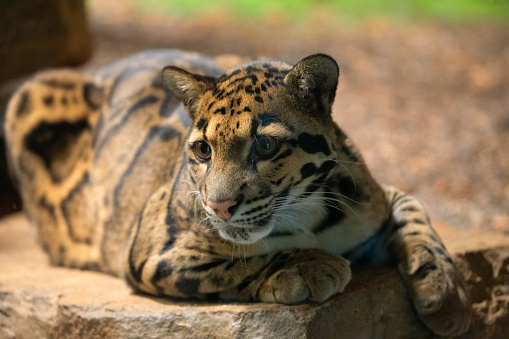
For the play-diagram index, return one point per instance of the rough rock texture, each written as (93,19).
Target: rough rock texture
(41,301)
(40,33)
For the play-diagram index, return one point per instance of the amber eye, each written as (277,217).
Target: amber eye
(202,150)
(265,147)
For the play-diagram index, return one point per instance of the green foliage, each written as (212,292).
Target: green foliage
(351,10)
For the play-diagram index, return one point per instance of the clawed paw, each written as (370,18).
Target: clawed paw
(439,294)
(315,280)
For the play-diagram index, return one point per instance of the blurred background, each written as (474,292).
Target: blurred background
(424,88)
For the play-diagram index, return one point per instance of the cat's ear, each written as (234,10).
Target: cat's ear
(187,87)
(313,82)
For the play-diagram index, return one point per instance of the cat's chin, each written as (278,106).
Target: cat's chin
(245,235)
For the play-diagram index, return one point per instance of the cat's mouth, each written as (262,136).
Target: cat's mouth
(243,231)
(242,228)
(245,235)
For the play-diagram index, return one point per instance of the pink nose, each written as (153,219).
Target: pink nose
(221,208)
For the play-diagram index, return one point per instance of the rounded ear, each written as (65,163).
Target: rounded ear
(313,82)
(187,87)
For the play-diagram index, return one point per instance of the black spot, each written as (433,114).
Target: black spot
(239,101)
(308,170)
(347,187)
(210,105)
(279,181)
(48,100)
(137,273)
(44,204)
(207,266)
(425,269)
(410,209)
(53,141)
(263,87)
(163,270)
(399,225)
(284,193)
(162,196)
(205,131)
(275,234)
(254,127)
(238,124)
(234,73)
(267,118)
(168,245)
(217,92)
(63,101)
(313,143)
(350,152)
(72,201)
(165,133)
(283,155)
(259,99)
(188,286)
(277,265)
(181,204)
(314,185)
(257,90)
(201,123)
(327,166)
(440,251)
(93,95)
(249,89)
(221,110)
(334,216)
(245,283)
(25,104)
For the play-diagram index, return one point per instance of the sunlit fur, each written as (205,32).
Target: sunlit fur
(108,174)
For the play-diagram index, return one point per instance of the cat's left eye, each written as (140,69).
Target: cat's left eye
(266,147)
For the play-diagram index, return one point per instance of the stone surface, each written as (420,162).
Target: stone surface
(41,301)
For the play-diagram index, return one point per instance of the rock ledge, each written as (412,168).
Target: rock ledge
(41,301)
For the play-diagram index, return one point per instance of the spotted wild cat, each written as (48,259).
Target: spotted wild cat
(194,182)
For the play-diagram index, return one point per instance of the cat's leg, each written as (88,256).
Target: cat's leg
(438,292)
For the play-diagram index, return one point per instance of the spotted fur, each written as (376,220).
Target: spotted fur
(247,191)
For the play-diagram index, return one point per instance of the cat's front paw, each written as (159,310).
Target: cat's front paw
(439,294)
(312,275)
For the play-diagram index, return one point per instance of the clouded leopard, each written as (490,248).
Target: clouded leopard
(194,182)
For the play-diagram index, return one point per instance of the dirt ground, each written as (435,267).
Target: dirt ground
(427,104)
